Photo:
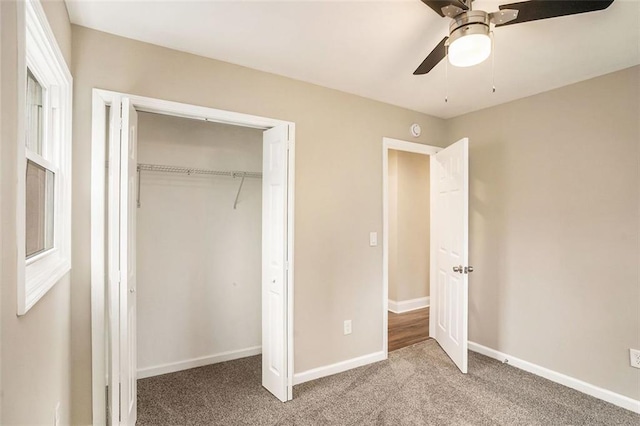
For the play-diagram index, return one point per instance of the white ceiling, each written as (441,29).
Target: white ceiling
(371,48)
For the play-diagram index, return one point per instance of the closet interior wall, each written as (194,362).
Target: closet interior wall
(198,258)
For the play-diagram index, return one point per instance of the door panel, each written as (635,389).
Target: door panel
(113,260)
(451,225)
(128,314)
(274,256)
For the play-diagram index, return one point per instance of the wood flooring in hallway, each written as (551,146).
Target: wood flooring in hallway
(408,328)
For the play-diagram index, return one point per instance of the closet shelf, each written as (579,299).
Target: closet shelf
(192,171)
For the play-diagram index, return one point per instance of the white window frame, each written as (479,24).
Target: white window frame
(42,55)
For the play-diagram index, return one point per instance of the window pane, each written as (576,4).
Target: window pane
(39,209)
(34,123)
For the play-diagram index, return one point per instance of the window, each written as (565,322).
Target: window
(44,159)
(40,179)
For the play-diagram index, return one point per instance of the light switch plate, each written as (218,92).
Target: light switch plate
(373,239)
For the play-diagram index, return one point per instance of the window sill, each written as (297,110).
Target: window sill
(41,276)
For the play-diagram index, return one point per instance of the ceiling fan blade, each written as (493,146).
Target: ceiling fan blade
(534,10)
(503,16)
(436,55)
(437,5)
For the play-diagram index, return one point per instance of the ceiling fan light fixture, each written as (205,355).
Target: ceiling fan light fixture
(469,50)
(469,40)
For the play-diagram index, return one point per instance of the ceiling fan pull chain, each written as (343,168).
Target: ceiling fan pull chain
(446,78)
(493,62)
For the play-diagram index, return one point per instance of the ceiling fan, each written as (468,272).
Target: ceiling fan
(469,41)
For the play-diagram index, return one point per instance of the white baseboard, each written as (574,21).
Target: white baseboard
(571,382)
(408,305)
(197,362)
(338,367)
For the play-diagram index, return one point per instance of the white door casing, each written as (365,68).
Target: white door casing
(274,261)
(128,209)
(450,174)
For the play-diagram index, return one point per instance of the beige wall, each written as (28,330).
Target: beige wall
(338,186)
(409,225)
(554,209)
(35,348)
(58,17)
(199,260)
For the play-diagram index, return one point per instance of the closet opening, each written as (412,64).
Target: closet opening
(199,245)
(192,252)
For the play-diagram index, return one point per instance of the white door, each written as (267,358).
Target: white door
(450,174)
(274,261)
(113,252)
(128,177)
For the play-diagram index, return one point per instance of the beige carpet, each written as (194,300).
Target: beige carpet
(417,385)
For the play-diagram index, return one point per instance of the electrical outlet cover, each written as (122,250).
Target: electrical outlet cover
(347,327)
(634,358)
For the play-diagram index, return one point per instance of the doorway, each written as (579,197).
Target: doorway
(114,262)
(447,242)
(409,223)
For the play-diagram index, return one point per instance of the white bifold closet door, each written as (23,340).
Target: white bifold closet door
(123,162)
(122,395)
(274,261)
(128,319)
(450,176)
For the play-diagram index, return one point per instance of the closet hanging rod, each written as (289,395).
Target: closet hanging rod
(195,171)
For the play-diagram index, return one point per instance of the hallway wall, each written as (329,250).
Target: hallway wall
(409,225)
